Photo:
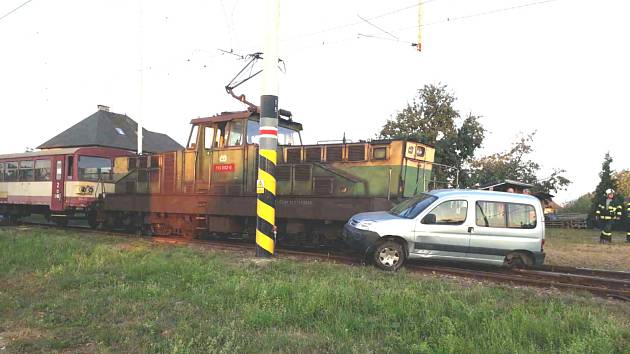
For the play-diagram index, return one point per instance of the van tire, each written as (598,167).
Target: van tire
(389,256)
(519,260)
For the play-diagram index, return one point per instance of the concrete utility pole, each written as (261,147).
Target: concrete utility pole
(267,151)
(141,79)
(420,23)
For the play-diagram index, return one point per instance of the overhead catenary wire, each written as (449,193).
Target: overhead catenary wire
(14,10)
(482,13)
(356,23)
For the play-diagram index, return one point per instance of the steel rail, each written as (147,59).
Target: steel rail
(612,284)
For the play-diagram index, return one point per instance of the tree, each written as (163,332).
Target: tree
(606,181)
(622,178)
(431,119)
(581,205)
(514,164)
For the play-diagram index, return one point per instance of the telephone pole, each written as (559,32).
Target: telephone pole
(268,144)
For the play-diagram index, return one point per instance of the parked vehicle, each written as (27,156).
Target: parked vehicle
(464,225)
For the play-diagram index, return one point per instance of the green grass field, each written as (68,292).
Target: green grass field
(63,292)
(581,248)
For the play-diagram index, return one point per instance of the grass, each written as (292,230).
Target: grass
(64,292)
(581,248)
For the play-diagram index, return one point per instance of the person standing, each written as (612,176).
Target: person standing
(607,214)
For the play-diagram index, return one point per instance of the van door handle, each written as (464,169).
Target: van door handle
(470,229)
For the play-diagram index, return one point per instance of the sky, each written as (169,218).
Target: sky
(560,68)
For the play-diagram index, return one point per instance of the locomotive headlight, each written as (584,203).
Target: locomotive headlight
(90,190)
(82,190)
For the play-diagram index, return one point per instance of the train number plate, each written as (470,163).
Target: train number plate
(224,167)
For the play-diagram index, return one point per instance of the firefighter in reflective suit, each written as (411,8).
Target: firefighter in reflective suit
(607,214)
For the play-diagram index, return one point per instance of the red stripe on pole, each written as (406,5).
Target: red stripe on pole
(268,132)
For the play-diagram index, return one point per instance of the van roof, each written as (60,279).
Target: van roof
(476,193)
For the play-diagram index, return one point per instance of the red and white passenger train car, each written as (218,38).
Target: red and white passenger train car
(59,183)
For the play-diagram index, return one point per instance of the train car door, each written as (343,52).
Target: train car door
(58,184)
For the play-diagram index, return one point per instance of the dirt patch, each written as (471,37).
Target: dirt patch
(20,334)
(615,256)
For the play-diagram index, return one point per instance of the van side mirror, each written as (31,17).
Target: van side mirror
(430,219)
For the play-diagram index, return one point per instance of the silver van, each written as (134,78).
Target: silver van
(464,225)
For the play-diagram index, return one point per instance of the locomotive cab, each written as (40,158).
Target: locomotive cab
(221,152)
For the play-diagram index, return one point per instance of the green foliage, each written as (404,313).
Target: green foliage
(431,119)
(606,181)
(514,164)
(71,293)
(622,178)
(581,205)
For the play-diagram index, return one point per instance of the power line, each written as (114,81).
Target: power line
(12,11)
(483,13)
(351,24)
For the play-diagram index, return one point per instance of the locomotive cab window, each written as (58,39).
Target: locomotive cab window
(286,136)
(192,138)
(1,172)
(95,168)
(208,136)
(235,133)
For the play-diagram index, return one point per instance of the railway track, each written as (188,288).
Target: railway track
(606,283)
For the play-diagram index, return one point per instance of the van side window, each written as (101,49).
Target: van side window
(505,215)
(521,216)
(452,212)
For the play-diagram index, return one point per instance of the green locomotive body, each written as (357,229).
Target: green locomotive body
(210,187)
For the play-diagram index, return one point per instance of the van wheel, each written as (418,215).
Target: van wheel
(519,260)
(389,256)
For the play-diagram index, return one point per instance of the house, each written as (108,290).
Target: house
(110,130)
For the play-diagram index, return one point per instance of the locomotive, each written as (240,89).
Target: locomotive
(209,188)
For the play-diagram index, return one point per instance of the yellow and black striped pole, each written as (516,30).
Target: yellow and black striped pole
(268,143)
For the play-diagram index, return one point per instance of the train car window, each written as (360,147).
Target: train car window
(379,153)
(58,170)
(95,168)
(42,170)
(26,173)
(235,137)
(208,137)
(70,168)
(1,172)
(10,172)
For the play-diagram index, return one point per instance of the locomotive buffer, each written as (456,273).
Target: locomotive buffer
(268,144)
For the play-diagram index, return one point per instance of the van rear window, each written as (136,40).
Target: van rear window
(505,215)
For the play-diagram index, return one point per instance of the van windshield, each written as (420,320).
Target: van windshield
(411,207)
